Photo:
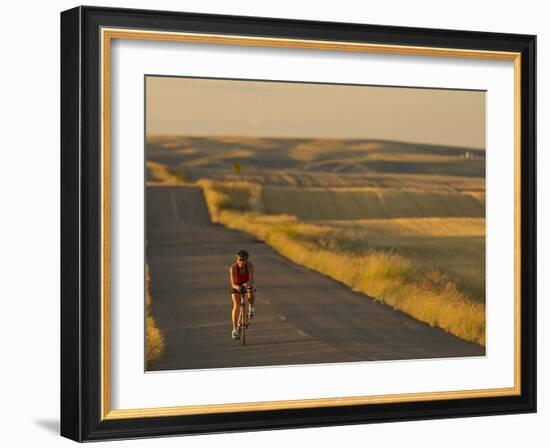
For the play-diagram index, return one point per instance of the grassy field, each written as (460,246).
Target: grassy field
(367,203)
(422,266)
(452,246)
(403,223)
(322,163)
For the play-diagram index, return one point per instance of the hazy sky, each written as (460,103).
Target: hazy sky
(209,107)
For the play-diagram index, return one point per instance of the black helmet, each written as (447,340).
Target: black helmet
(242,254)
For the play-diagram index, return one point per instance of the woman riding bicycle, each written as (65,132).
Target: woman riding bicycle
(241,276)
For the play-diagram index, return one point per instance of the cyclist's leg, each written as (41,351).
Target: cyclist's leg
(236,308)
(251,299)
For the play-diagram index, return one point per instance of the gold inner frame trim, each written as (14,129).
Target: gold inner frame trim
(107,34)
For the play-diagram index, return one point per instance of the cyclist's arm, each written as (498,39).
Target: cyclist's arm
(250,273)
(232,278)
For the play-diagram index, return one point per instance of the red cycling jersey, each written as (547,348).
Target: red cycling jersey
(240,278)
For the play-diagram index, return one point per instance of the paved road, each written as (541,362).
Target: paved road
(302,316)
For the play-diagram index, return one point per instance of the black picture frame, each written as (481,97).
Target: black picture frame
(81,208)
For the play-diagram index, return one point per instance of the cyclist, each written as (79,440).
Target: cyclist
(241,275)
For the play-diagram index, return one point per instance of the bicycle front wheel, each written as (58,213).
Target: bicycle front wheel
(243,326)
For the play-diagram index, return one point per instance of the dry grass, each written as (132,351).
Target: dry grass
(154,341)
(159,174)
(379,271)
(238,196)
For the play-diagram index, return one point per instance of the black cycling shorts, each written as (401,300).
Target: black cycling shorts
(236,291)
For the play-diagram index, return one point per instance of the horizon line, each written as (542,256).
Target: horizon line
(473,148)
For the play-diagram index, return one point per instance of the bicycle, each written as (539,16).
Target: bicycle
(242,321)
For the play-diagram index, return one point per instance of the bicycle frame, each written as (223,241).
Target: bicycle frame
(242,319)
